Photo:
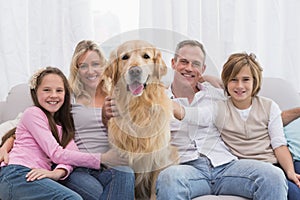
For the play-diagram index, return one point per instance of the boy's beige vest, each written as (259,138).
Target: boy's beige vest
(247,139)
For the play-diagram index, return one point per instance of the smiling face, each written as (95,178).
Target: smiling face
(240,88)
(189,64)
(241,76)
(51,93)
(89,70)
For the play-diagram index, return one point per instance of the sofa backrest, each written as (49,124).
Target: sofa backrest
(281,91)
(17,100)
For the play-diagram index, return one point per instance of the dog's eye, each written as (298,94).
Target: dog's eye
(146,56)
(125,57)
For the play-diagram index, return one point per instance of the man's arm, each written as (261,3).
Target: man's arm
(290,115)
(213,80)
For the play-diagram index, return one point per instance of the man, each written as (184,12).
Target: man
(207,166)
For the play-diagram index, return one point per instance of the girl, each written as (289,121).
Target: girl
(43,150)
(250,125)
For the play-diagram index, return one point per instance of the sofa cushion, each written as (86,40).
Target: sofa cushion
(220,197)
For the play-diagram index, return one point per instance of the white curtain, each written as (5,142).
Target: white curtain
(38,33)
(268,28)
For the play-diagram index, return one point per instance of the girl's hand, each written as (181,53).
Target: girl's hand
(37,174)
(294,177)
(178,111)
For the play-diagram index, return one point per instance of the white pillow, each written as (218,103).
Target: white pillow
(8,125)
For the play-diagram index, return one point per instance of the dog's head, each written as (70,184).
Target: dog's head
(137,63)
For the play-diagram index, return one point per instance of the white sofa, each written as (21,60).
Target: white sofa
(277,89)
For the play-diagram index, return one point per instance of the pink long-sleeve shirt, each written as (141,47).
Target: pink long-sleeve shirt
(35,146)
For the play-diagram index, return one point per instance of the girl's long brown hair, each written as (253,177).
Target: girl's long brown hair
(63,116)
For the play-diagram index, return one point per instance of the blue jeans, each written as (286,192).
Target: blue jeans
(13,186)
(297,166)
(113,183)
(294,191)
(247,178)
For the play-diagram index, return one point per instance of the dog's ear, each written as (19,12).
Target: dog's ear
(160,68)
(111,70)
(105,79)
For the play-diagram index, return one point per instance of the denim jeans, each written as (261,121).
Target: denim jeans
(297,166)
(13,186)
(294,191)
(247,178)
(113,183)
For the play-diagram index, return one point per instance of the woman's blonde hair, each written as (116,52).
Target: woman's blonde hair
(81,48)
(235,63)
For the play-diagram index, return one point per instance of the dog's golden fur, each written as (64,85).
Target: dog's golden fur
(142,130)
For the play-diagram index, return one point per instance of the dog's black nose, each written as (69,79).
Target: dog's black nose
(135,71)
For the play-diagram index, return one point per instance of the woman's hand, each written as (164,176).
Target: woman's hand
(109,110)
(3,155)
(6,147)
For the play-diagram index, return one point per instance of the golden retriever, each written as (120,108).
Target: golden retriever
(142,130)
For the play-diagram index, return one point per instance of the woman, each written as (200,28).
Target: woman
(86,67)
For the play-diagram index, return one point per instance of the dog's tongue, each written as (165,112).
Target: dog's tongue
(136,88)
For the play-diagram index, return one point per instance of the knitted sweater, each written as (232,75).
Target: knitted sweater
(247,139)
